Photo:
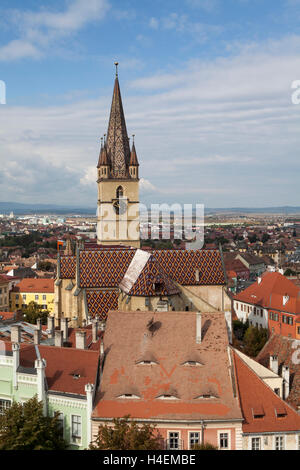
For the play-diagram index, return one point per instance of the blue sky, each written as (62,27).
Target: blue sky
(206,88)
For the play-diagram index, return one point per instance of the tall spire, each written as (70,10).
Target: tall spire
(133,156)
(117,143)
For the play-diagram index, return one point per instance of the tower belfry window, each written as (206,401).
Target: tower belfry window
(120,192)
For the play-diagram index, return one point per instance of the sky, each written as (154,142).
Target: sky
(206,88)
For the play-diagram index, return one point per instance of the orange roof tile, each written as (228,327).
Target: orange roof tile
(35,285)
(257,398)
(179,366)
(270,291)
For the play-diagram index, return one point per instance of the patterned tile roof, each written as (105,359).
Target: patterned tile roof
(151,276)
(181,266)
(106,268)
(100,303)
(68,267)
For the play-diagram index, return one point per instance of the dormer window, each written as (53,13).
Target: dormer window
(258,412)
(129,396)
(207,396)
(192,363)
(167,396)
(147,363)
(286,298)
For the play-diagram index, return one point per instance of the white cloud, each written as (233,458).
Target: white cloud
(183,24)
(146,186)
(90,176)
(18,49)
(219,131)
(39,30)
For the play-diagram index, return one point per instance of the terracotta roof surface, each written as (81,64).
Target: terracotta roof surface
(286,350)
(68,370)
(270,291)
(161,357)
(258,399)
(35,285)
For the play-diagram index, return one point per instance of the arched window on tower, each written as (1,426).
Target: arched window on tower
(120,192)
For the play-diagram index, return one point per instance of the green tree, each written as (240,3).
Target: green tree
(24,427)
(289,272)
(254,340)
(33,311)
(126,435)
(205,446)
(239,329)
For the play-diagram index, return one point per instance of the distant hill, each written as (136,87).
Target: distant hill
(19,208)
(284,210)
(23,208)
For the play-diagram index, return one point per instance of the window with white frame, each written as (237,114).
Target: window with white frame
(44,297)
(76,429)
(255,443)
(173,441)
(36,297)
(4,404)
(279,443)
(224,440)
(194,439)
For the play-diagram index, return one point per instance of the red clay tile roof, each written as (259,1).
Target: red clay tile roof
(168,340)
(35,285)
(257,397)
(269,293)
(62,365)
(284,349)
(7,316)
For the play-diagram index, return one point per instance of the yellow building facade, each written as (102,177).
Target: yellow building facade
(40,291)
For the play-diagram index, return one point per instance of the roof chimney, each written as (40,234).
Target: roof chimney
(198,328)
(37,336)
(39,324)
(80,339)
(15,334)
(50,327)
(64,328)
(58,340)
(274,364)
(95,331)
(286,381)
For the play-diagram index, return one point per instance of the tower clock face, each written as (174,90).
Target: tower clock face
(120,206)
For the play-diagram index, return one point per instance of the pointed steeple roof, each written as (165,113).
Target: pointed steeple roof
(117,141)
(103,158)
(133,157)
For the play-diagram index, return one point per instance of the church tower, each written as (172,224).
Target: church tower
(118,181)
